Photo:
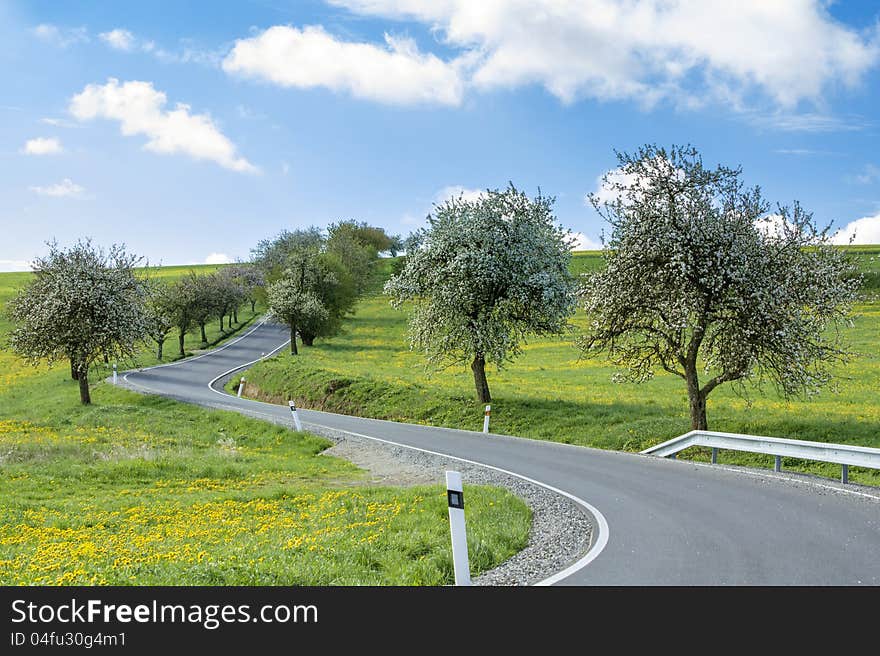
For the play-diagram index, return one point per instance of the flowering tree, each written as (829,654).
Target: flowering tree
(296,305)
(160,313)
(181,308)
(82,303)
(702,282)
(485,274)
(249,278)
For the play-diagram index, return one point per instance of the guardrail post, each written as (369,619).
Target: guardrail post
(455,498)
(778,465)
(714,455)
(844,474)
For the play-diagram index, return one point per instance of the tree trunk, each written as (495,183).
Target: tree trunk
(293,350)
(478,366)
(221,323)
(204,336)
(85,396)
(73,373)
(697,401)
(159,353)
(106,359)
(234,316)
(307,338)
(253,303)
(180,339)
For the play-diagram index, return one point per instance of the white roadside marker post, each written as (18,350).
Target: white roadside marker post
(295,414)
(114,373)
(240,386)
(486,419)
(455,498)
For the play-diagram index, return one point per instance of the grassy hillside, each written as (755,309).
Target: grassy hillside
(550,394)
(141,490)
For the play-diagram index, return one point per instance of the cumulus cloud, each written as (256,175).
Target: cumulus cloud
(218,258)
(60,36)
(140,109)
(42,146)
(65,188)
(456,191)
(607,190)
(584,242)
(119,39)
(862,231)
(306,58)
(685,50)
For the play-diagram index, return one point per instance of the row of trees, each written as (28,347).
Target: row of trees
(703,279)
(314,278)
(196,299)
(84,304)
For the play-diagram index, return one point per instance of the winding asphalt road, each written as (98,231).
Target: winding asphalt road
(657,522)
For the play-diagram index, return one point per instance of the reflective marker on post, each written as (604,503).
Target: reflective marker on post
(486,419)
(293,411)
(240,386)
(455,497)
(114,373)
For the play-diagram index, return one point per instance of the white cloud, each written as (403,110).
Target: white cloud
(584,242)
(65,188)
(119,39)
(140,109)
(866,231)
(60,36)
(606,191)
(310,57)
(218,258)
(683,50)
(456,191)
(15,265)
(42,146)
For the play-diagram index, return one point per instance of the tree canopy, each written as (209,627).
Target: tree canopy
(483,276)
(82,303)
(703,281)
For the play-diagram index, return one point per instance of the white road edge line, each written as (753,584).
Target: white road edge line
(596,547)
(197,357)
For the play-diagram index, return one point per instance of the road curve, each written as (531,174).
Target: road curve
(669,522)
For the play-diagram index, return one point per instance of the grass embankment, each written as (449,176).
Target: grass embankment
(550,394)
(142,490)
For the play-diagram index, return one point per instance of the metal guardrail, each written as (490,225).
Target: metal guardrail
(841,454)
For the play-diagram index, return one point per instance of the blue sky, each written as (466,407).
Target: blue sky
(190,130)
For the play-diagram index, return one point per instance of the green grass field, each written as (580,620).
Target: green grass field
(550,394)
(142,490)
